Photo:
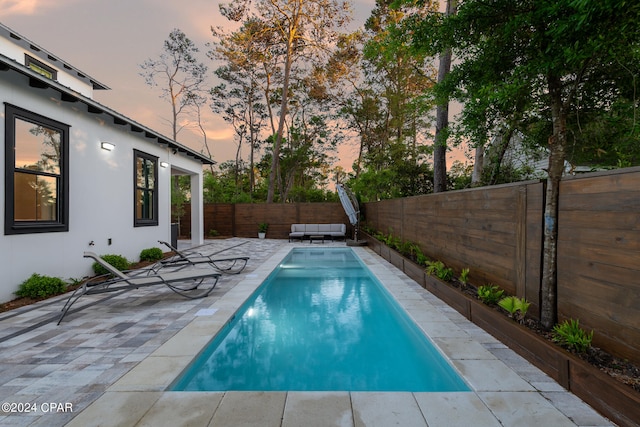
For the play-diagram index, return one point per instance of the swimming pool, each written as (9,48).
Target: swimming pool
(320,322)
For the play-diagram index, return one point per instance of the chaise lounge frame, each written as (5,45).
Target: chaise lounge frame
(232,265)
(182,282)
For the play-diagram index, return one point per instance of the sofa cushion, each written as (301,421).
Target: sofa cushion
(311,229)
(325,228)
(338,228)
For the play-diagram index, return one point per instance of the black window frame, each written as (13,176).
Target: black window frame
(61,224)
(145,222)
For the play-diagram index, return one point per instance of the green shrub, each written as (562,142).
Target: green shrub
(118,261)
(38,286)
(438,269)
(412,251)
(490,294)
(407,248)
(517,307)
(394,242)
(422,259)
(569,334)
(151,254)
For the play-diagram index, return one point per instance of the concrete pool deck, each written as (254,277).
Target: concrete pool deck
(110,363)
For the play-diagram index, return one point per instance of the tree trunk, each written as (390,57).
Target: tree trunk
(267,100)
(557,144)
(283,114)
(501,149)
(440,150)
(478,166)
(252,138)
(442,119)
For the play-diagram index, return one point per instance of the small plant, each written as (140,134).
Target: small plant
(490,294)
(390,240)
(262,227)
(412,250)
(464,276)
(118,261)
(151,254)
(214,233)
(422,259)
(569,334)
(38,286)
(517,307)
(438,269)
(393,242)
(408,248)
(72,281)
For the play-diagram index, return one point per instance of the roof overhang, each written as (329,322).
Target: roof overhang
(93,107)
(47,56)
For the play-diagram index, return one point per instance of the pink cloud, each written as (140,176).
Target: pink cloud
(18,7)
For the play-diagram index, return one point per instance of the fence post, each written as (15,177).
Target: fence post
(521,241)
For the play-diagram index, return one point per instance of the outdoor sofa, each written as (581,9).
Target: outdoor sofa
(333,231)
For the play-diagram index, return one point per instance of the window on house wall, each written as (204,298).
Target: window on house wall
(36,173)
(145,191)
(41,68)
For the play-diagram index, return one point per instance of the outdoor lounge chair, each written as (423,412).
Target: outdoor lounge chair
(183,259)
(184,282)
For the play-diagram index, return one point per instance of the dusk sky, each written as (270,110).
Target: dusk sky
(109,39)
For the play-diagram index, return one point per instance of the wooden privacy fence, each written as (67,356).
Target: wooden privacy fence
(242,219)
(496,232)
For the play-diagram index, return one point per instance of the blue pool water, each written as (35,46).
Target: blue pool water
(320,322)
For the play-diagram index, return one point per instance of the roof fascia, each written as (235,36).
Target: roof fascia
(93,107)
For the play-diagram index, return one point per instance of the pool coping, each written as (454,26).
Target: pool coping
(499,396)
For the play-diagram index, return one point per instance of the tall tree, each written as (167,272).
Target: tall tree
(537,58)
(442,117)
(249,56)
(182,79)
(304,27)
(357,106)
(310,140)
(181,75)
(391,107)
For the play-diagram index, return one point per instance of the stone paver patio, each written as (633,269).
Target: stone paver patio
(110,363)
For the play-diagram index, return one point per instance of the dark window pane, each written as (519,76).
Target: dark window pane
(37,147)
(144,204)
(145,171)
(35,197)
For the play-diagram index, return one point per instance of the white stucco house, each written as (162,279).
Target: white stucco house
(77,175)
